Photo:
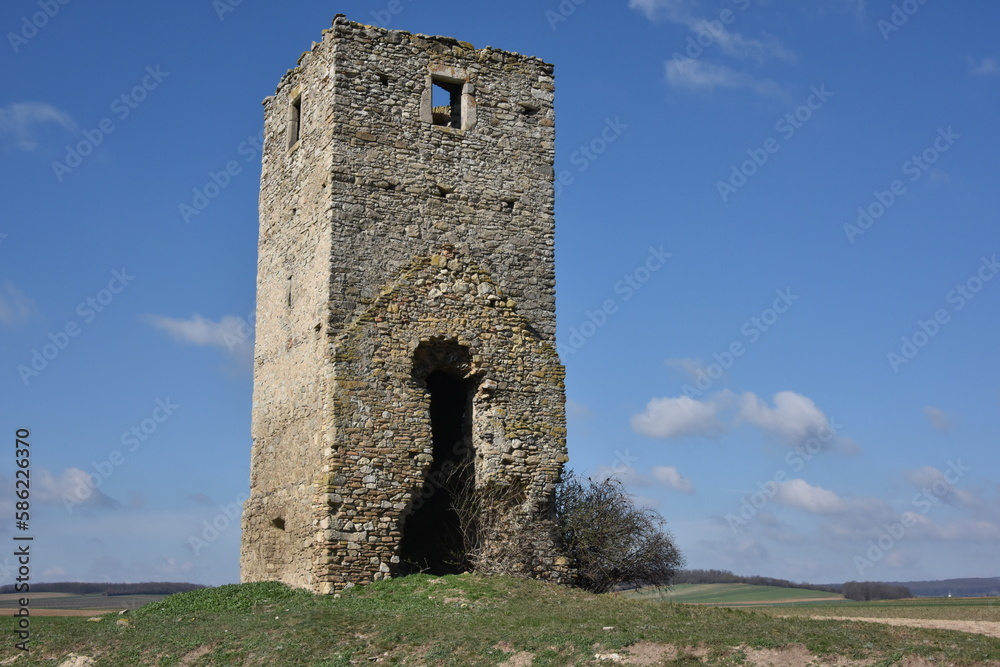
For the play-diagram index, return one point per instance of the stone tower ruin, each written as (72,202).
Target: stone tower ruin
(408,406)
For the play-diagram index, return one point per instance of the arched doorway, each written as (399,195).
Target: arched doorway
(433,540)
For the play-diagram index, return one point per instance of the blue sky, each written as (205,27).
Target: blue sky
(776,250)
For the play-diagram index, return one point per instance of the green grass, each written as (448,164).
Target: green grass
(460,620)
(735,594)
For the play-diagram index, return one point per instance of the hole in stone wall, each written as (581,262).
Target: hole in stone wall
(383,79)
(432,539)
(294,121)
(278,523)
(446,103)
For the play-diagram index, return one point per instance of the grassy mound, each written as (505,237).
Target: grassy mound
(231,598)
(464,620)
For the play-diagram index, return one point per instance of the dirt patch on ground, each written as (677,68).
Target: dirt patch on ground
(988,628)
(522,659)
(74,660)
(200,652)
(796,655)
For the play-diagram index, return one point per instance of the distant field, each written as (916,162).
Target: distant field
(69,601)
(959,609)
(739,595)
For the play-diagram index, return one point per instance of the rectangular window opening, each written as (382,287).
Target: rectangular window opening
(294,121)
(446,103)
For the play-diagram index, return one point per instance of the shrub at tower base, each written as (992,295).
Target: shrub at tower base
(610,540)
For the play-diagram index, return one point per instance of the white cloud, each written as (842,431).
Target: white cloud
(682,416)
(231,332)
(15,306)
(935,484)
(688,367)
(19,119)
(735,44)
(984,67)
(938,418)
(799,494)
(667,476)
(670,476)
(794,418)
(677,11)
(980,531)
(72,488)
(709,29)
(695,74)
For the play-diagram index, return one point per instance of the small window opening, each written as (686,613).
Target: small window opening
(446,103)
(383,79)
(278,523)
(289,291)
(294,121)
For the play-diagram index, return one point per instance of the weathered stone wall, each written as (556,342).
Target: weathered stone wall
(381,234)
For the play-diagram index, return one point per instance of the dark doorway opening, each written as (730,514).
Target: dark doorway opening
(433,539)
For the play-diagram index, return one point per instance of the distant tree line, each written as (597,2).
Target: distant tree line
(852,590)
(960,588)
(83,588)
(874,590)
(727,577)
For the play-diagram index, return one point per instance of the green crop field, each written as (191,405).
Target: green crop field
(737,595)
(70,601)
(954,609)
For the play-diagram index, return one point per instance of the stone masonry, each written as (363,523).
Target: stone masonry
(405,353)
